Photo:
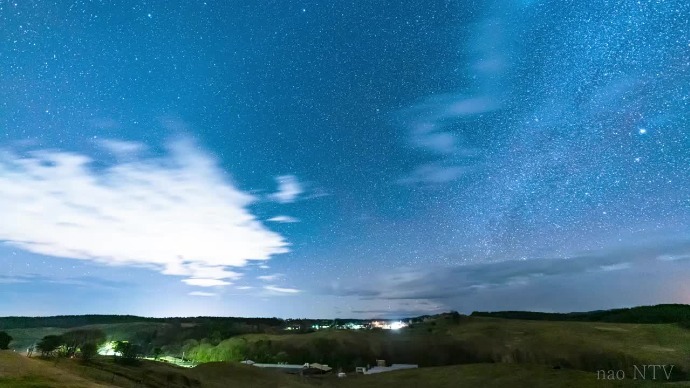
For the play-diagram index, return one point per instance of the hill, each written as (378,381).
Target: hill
(585,346)
(20,372)
(17,371)
(663,313)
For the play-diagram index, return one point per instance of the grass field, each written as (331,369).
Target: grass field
(486,376)
(579,345)
(17,371)
(586,346)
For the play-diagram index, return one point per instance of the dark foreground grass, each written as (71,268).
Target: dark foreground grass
(34,373)
(17,371)
(488,376)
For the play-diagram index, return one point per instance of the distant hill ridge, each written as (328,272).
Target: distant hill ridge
(70,321)
(662,313)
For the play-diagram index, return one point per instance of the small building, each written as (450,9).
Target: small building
(315,369)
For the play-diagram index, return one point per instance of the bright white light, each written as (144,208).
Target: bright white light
(397,325)
(108,349)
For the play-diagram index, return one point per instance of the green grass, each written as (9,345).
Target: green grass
(578,345)
(583,346)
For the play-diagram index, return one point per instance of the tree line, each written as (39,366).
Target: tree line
(663,313)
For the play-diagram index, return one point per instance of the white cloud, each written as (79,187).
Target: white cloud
(289,188)
(178,214)
(244,287)
(673,257)
(282,290)
(201,293)
(270,278)
(12,280)
(205,282)
(121,148)
(614,267)
(283,219)
(264,266)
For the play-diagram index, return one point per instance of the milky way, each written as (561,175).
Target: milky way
(318,159)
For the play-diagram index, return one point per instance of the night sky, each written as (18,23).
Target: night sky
(343,159)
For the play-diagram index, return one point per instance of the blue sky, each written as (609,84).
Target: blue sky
(323,159)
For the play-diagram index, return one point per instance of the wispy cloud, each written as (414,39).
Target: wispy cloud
(289,188)
(120,147)
(202,293)
(442,283)
(202,282)
(179,214)
(282,290)
(614,267)
(80,281)
(283,219)
(14,279)
(270,278)
(673,257)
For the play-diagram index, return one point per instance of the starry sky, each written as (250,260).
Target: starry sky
(343,159)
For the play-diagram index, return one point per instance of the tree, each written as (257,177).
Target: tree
(75,339)
(5,340)
(49,344)
(127,352)
(157,353)
(88,351)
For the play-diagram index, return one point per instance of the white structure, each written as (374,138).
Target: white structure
(394,367)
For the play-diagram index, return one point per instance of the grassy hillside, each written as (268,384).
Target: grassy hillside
(579,345)
(585,346)
(485,376)
(17,371)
